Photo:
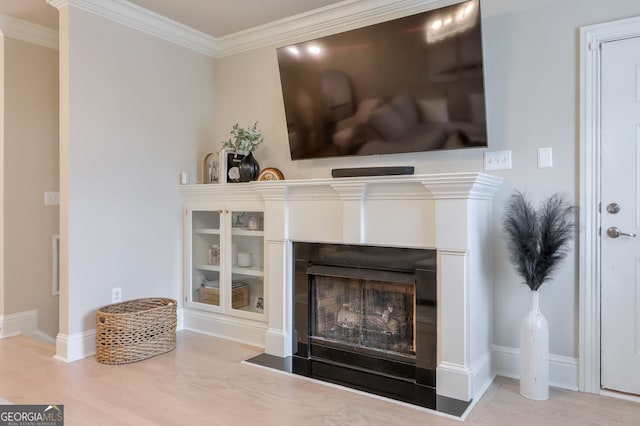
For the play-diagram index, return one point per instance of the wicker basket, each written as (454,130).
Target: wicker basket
(135,330)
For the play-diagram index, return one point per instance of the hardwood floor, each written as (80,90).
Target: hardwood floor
(203,382)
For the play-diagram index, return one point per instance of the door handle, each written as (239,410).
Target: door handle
(614,232)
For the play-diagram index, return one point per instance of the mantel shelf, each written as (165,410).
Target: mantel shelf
(470,185)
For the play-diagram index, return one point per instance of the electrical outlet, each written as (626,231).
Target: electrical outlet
(51,198)
(497,160)
(116,295)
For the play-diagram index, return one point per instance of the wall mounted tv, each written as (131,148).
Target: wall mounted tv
(407,85)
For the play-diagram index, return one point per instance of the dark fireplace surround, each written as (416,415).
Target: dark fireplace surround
(365,317)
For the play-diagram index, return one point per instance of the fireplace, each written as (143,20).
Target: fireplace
(366,317)
(445,219)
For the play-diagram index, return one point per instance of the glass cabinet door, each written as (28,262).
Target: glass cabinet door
(247,261)
(205,257)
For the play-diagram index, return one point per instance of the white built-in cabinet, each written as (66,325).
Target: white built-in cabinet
(224,261)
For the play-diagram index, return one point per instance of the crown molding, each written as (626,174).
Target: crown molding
(348,13)
(28,31)
(328,19)
(133,16)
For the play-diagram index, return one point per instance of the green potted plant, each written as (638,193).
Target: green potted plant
(537,242)
(242,166)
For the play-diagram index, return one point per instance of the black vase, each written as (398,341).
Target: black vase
(248,168)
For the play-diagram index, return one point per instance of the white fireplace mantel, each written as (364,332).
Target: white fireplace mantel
(451,212)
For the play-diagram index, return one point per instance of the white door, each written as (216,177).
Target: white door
(620,280)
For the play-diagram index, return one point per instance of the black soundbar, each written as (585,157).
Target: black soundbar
(372,171)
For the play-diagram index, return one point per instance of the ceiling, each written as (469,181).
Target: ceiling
(216,18)
(222,17)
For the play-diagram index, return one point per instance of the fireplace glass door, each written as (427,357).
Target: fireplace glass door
(366,314)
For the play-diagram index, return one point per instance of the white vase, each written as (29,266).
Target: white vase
(534,352)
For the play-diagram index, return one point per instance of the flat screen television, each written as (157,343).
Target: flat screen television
(407,85)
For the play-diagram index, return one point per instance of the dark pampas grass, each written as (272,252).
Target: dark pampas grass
(537,241)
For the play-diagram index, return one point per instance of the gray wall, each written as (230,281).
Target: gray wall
(30,169)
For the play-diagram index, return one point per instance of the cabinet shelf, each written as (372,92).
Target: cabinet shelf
(252,271)
(251,309)
(208,267)
(209,231)
(247,232)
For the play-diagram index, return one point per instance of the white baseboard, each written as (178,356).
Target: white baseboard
(76,346)
(277,343)
(179,319)
(230,328)
(25,323)
(618,395)
(20,323)
(453,381)
(43,337)
(481,376)
(563,370)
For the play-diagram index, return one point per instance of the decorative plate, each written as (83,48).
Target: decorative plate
(271,173)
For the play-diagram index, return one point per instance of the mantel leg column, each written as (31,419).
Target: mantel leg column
(278,337)
(453,378)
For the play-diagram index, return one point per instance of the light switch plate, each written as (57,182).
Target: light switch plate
(497,160)
(545,158)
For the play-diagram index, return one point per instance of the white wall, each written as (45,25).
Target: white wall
(135,111)
(532,77)
(30,168)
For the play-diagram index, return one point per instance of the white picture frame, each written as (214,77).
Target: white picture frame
(211,171)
